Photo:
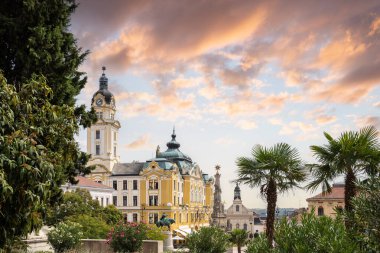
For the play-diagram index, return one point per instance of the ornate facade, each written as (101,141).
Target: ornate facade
(169,183)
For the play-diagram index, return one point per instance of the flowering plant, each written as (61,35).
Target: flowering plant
(65,236)
(127,237)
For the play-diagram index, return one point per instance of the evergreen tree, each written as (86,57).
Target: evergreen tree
(34,39)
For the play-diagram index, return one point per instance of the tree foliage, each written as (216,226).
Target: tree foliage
(352,154)
(312,234)
(208,239)
(37,155)
(275,170)
(239,237)
(78,206)
(366,215)
(35,39)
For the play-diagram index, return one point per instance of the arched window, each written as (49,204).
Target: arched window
(245,227)
(320,211)
(237,208)
(237,225)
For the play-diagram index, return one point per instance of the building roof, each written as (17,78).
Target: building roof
(86,182)
(103,89)
(121,169)
(173,154)
(337,192)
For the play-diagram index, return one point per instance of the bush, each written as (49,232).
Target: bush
(259,245)
(127,237)
(65,236)
(313,234)
(155,233)
(208,239)
(92,227)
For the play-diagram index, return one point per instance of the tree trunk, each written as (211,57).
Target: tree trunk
(349,193)
(239,248)
(271,209)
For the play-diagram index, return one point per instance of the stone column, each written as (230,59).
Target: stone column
(168,242)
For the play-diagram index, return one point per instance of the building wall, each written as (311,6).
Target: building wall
(327,205)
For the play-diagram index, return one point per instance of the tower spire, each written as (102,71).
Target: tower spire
(103,80)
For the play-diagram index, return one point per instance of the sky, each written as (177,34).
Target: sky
(232,74)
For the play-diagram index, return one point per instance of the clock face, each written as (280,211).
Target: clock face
(99,102)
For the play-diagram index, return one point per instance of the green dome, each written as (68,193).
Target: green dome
(173,154)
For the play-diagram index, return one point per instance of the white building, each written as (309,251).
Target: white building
(99,192)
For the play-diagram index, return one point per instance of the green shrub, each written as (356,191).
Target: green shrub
(128,237)
(208,239)
(92,227)
(155,233)
(65,236)
(259,245)
(313,234)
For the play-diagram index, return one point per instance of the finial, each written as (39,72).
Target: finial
(173,135)
(104,69)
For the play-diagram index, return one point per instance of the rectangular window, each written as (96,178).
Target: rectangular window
(101,202)
(134,217)
(174,200)
(99,115)
(114,200)
(114,151)
(153,200)
(114,184)
(97,134)
(153,218)
(125,185)
(134,200)
(114,136)
(112,116)
(107,201)
(153,184)
(97,151)
(125,201)
(174,184)
(134,184)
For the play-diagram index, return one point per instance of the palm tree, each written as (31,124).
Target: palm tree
(239,238)
(352,154)
(275,170)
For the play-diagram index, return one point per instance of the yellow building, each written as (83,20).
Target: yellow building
(170,183)
(326,203)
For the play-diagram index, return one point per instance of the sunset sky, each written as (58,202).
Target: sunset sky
(232,74)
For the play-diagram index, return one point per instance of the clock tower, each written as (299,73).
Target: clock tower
(103,136)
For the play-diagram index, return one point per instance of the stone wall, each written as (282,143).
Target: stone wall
(94,246)
(100,246)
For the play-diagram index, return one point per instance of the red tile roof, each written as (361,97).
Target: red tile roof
(86,182)
(337,192)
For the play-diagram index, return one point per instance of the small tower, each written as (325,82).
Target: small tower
(218,216)
(102,137)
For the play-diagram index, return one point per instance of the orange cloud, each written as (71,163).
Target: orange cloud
(142,142)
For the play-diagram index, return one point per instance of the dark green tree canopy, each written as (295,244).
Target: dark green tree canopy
(34,39)
(37,155)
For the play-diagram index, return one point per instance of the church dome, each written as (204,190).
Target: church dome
(173,153)
(103,89)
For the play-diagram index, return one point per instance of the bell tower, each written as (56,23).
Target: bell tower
(103,136)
